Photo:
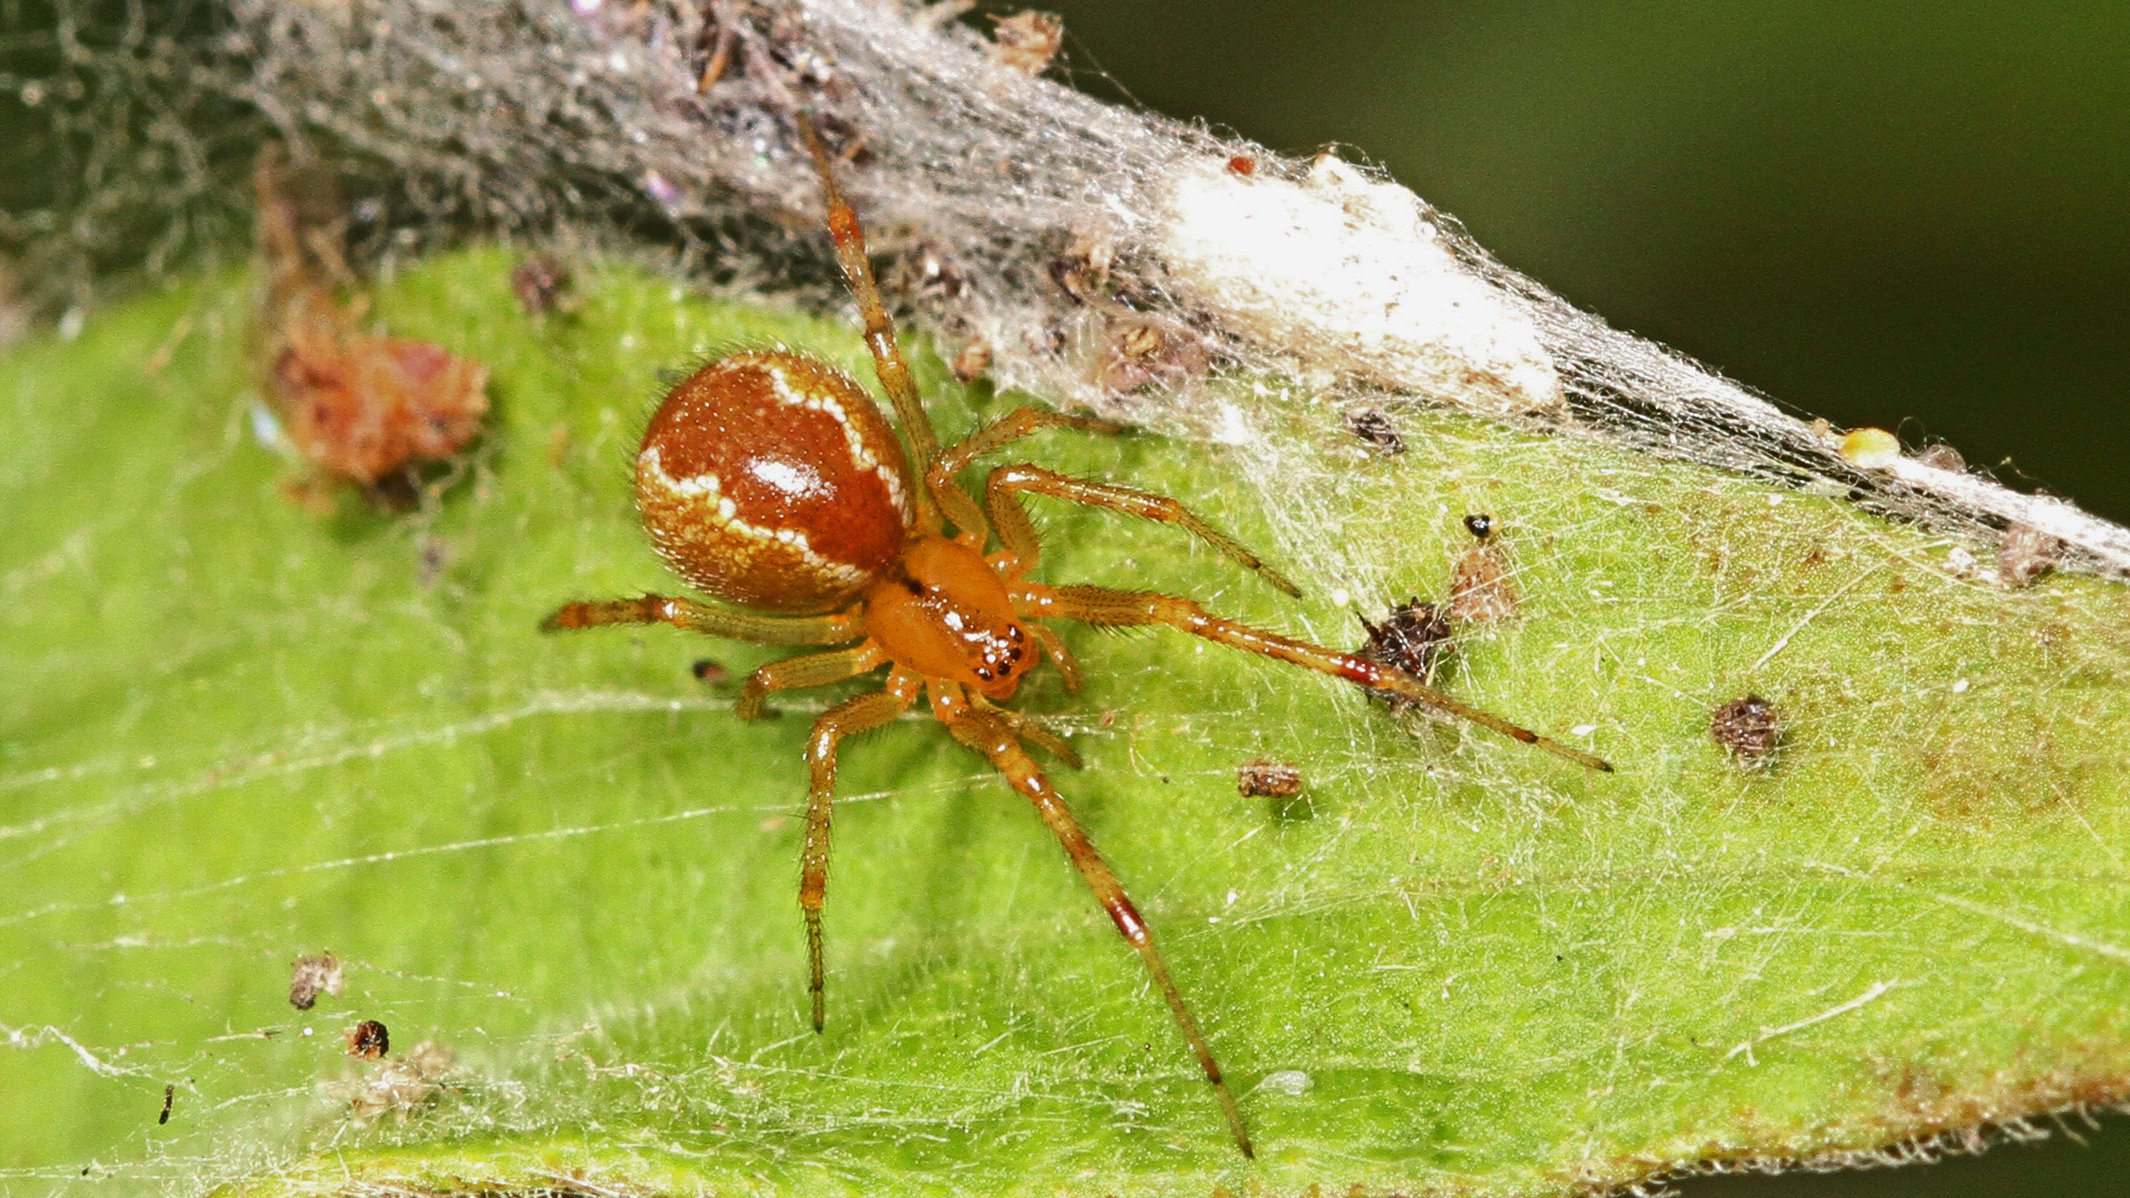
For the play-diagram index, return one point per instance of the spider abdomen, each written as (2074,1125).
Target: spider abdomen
(770,479)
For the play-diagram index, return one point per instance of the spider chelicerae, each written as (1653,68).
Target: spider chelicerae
(771,480)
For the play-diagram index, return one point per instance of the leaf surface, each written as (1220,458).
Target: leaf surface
(234,731)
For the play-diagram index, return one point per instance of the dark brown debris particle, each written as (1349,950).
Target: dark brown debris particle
(1412,638)
(708,671)
(1082,271)
(431,560)
(311,976)
(368,1040)
(931,277)
(1748,729)
(540,281)
(1372,426)
(2026,555)
(1261,777)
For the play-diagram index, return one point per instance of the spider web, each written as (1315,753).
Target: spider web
(1321,274)
(1108,260)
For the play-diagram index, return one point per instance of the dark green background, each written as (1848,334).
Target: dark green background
(1904,214)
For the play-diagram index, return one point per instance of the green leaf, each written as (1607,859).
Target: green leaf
(234,731)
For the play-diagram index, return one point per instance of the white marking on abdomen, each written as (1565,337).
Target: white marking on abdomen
(860,456)
(705,485)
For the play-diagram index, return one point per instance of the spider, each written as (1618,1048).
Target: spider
(772,481)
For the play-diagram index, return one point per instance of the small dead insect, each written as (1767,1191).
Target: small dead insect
(1262,777)
(2026,554)
(400,1086)
(1373,426)
(928,275)
(1143,353)
(1482,586)
(1413,639)
(169,1099)
(1942,456)
(1082,271)
(311,976)
(770,480)
(368,1040)
(1748,729)
(707,670)
(540,281)
(1026,41)
(973,360)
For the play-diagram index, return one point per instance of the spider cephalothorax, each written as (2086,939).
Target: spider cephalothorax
(771,481)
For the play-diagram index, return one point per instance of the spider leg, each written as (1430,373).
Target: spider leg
(982,731)
(1054,645)
(848,718)
(833,629)
(879,330)
(1006,483)
(1119,609)
(1032,730)
(1011,427)
(807,669)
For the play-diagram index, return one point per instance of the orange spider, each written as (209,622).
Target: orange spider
(770,480)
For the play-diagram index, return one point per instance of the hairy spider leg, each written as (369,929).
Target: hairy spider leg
(1007,482)
(1108,608)
(1011,427)
(863,713)
(835,628)
(1030,729)
(879,330)
(805,670)
(984,732)
(1060,656)
(1020,422)
(1011,520)
(1103,607)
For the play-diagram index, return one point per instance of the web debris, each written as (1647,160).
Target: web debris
(1113,260)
